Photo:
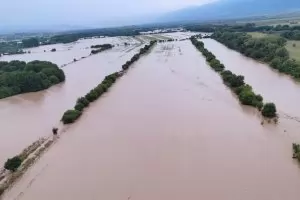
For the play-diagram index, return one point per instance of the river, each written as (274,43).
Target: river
(168,129)
(27,117)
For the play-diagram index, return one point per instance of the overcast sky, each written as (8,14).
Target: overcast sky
(84,12)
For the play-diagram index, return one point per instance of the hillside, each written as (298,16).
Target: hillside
(226,9)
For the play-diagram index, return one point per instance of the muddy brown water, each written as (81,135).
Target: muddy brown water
(168,129)
(273,86)
(27,117)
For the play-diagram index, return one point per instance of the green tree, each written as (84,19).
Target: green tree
(31,42)
(269,110)
(13,164)
(70,116)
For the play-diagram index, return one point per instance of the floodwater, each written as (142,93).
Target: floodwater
(169,129)
(66,53)
(27,117)
(273,86)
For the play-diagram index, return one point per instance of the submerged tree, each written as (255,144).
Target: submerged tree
(269,110)
(13,164)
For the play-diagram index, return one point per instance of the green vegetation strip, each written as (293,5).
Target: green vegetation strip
(270,50)
(236,83)
(70,116)
(101,47)
(17,77)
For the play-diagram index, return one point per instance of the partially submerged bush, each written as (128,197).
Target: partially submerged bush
(296,151)
(13,164)
(70,116)
(54,131)
(269,110)
(83,101)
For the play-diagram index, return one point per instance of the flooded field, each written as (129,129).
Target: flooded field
(274,87)
(66,53)
(27,117)
(168,129)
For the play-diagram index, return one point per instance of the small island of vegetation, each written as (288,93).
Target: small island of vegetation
(100,47)
(17,77)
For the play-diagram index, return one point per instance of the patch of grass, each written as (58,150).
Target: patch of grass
(258,34)
(293,48)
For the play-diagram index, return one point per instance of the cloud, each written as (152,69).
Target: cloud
(80,12)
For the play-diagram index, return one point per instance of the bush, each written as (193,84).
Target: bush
(296,151)
(54,80)
(269,110)
(92,95)
(79,107)
(70,116)
(13,164)
(84,101)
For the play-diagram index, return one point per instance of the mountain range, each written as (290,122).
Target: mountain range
(229,9)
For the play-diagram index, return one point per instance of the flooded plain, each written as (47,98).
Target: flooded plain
(168,129)
(274,87)
(27,117)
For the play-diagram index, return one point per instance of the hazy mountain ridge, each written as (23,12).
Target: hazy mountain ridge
(226,9)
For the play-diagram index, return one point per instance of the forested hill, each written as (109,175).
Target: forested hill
(227,9)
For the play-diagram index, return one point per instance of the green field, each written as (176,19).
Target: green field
(294,51)
(258,34)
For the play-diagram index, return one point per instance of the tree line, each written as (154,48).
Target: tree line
(18,77)
(70,116)
(143,50)
(69,37)
(100,47)
(236,83)
(270,50)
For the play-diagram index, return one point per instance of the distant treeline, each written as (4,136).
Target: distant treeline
(14,47)
(110,32)
(286,31)
(70,116)
(18,77)
(236,83)
(248,27)
(268,49)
